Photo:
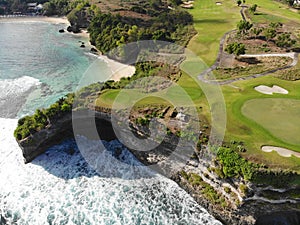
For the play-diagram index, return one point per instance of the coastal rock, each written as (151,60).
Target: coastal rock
(73,28)
(250,212)
(61,129)
(61,31)
(94,50)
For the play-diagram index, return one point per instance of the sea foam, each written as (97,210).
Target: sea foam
(59,187)
(13,93)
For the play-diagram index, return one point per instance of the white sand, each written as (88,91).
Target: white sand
(281,151)
(58,20)
(270,90)
(118,69)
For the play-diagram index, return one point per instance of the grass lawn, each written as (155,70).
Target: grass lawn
(280,116)
(240,127)
(212,21)
(276,11)
(187,93)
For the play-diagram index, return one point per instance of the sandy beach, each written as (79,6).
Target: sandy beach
(57,20)
(118,69)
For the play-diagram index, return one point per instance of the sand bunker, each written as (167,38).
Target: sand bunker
(218,3)
(270,90)
(281,151)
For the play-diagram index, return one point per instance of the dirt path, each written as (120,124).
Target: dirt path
(202,76)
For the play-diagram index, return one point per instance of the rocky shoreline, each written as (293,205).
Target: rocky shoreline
(248,212)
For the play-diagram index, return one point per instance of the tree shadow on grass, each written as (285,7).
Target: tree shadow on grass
(212,21)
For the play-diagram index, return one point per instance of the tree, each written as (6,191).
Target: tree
(284,40)
(270,33)
(244,26)
(275,25)
(256,31)
(236,48)
(253,8)
(238,2)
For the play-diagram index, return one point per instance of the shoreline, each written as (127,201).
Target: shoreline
(56,20)
(118,69)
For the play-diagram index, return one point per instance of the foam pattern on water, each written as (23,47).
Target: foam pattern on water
(13,93)
(59,187)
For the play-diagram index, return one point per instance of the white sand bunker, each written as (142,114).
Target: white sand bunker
(270,90)
(281,151)
(218,3)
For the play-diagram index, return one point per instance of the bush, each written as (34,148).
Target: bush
(29,125)
(233,165)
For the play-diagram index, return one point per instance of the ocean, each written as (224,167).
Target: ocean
(38,65)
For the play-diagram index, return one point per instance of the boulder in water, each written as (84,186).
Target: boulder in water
(61,31)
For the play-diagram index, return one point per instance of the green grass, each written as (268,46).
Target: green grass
(212,21)
(280,116)
(239,127)
(187,94)
(275,11)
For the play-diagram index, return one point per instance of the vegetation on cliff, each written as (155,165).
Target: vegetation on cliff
(108,31)
(29,125)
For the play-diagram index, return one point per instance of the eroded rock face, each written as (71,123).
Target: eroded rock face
(62,128)
(54,133)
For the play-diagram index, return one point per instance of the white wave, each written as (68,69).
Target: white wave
(60,188)
(13,87)
(13,93)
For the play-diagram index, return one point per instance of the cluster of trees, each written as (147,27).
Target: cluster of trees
(64,7)
(28,125)
(109,31)
(270,33)
(233,165)
(235,48)
(275,178)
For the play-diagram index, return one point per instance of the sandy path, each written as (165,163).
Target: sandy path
(281,151)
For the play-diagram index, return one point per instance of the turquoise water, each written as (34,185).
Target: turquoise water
(37,66)
(37,50)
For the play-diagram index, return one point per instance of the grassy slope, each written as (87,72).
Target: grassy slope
(212,22)
(272,9)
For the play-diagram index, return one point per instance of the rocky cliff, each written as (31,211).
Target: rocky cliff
(250,209)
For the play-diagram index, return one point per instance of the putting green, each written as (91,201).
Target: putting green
(280,116)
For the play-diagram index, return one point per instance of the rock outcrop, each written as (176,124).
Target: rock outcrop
(62,128)
(95,125)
